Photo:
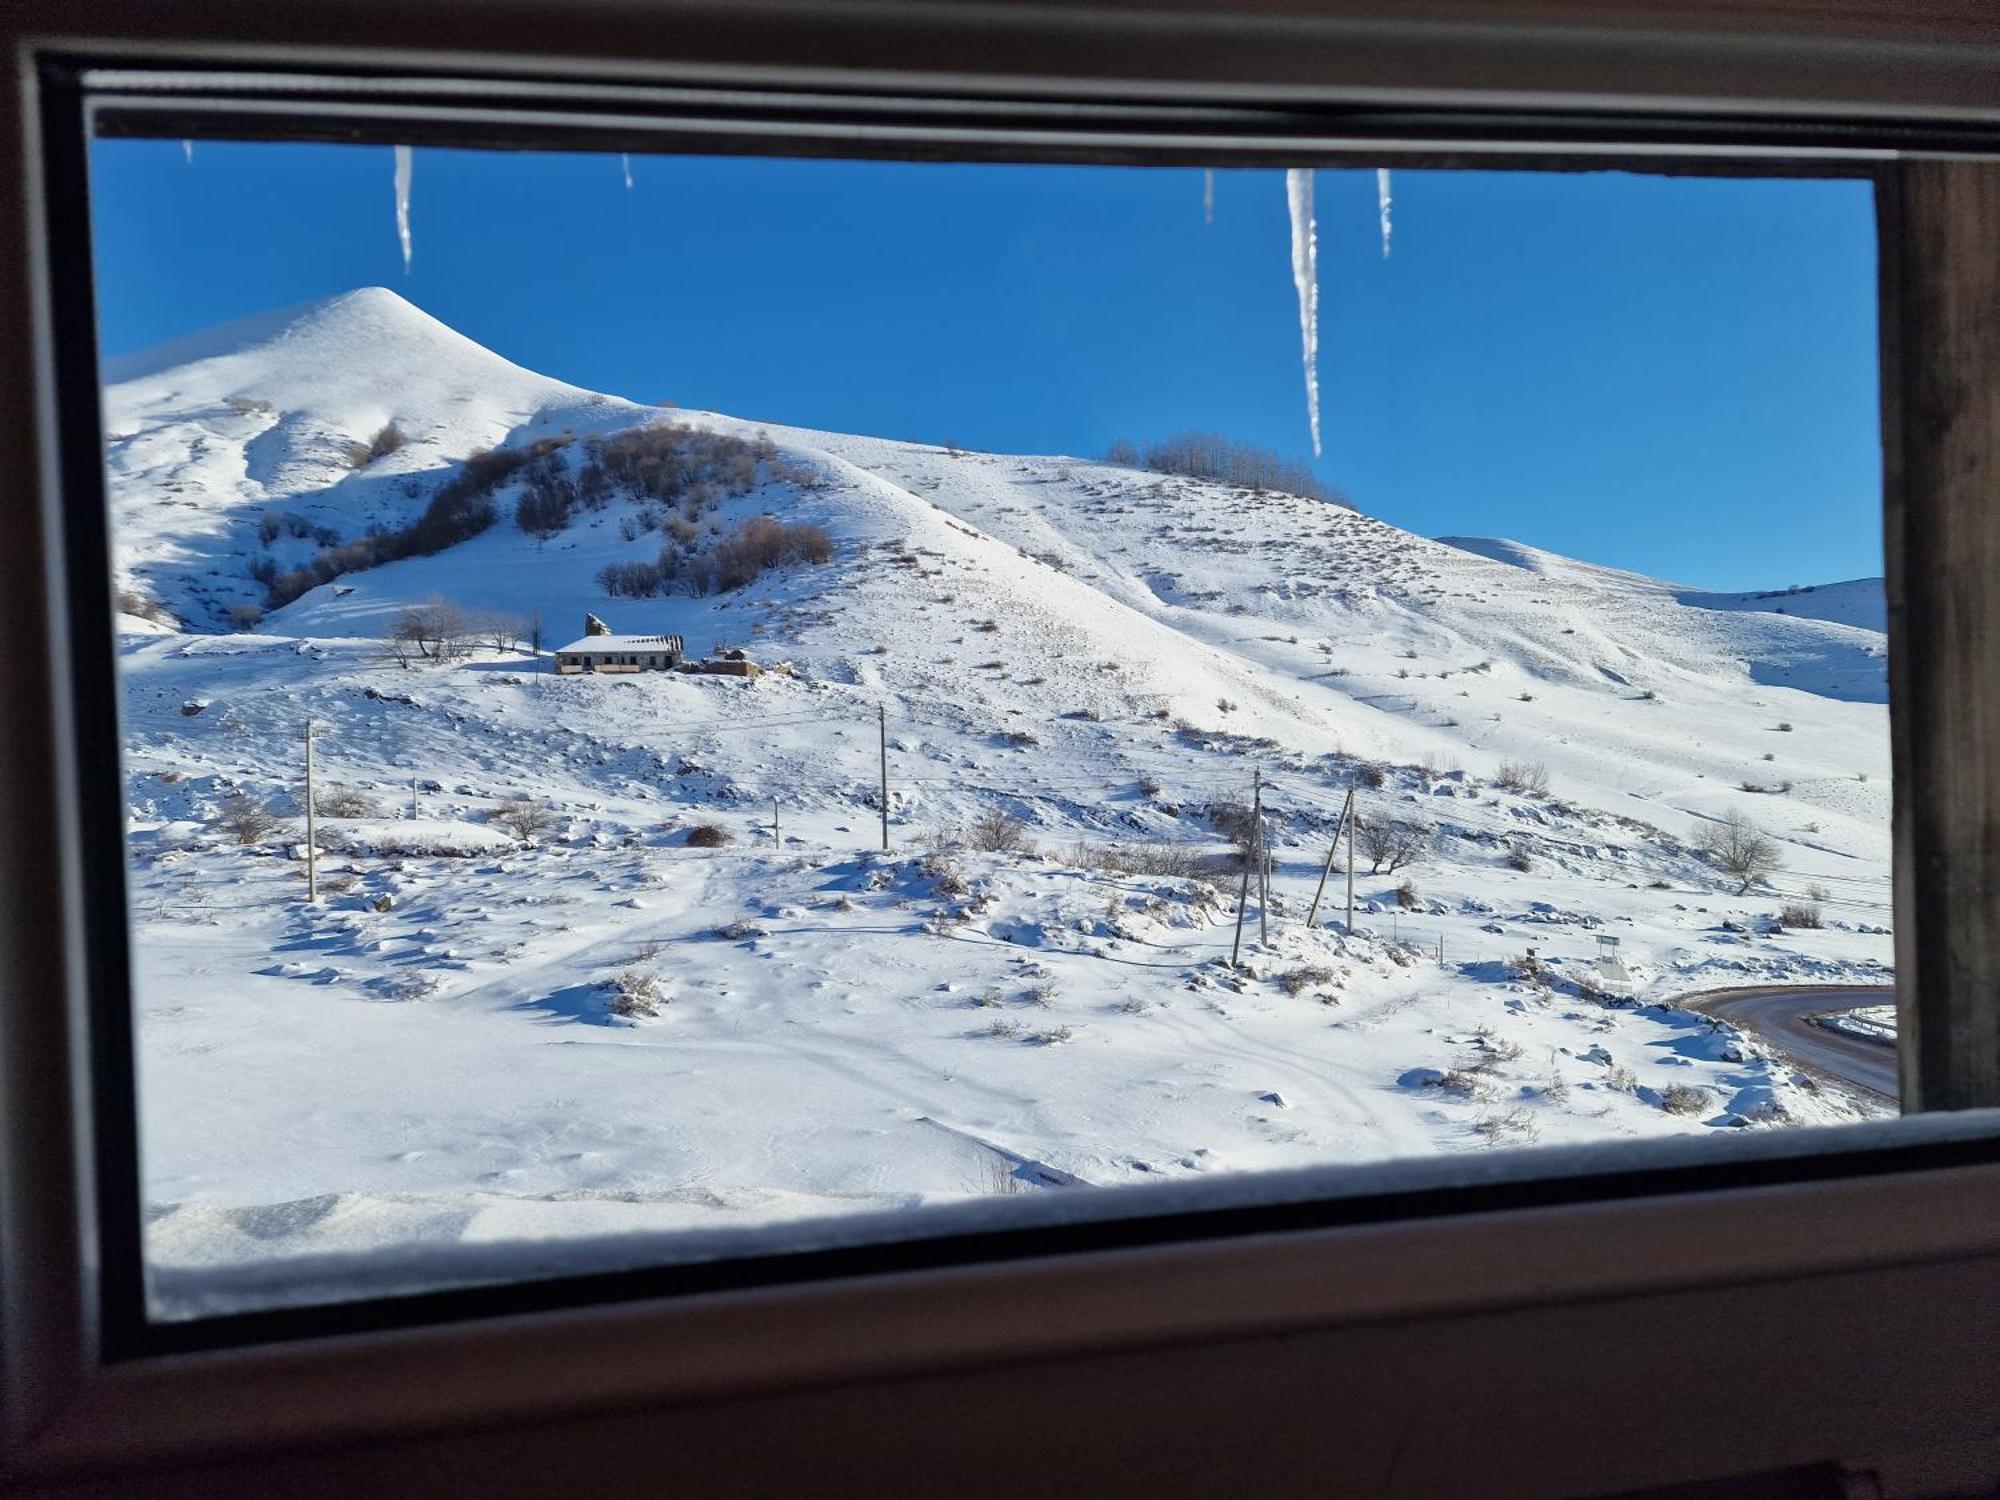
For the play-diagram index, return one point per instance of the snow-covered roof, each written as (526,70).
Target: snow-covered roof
(623,643)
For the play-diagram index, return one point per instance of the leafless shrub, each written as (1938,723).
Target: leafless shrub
(635,993)
(1623,1079)
(997,832)
(1005,1028)
(1740,849)
(245,819)
(1149,786)
(345,802)
(1685,1099)
(709,836)
(1807,913)
(1517,859)
(245,616)
(1057,1036)
(1296,982)
(1372,777)
(522,819)
(1528,777)
(1041,994)
(944,876)
(1406,895)
(385,442)
(1209,455)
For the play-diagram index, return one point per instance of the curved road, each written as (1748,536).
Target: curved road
(1782,1015)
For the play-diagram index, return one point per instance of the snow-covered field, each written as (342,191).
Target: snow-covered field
(477,1038)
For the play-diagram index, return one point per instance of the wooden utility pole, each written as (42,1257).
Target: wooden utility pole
(312,841)
(1332,852)
(1263,866)
(776,842)
(882,725)
(1242,900)
(1251,852)
(1353,817)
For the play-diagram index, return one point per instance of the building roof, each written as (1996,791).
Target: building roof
(631,643)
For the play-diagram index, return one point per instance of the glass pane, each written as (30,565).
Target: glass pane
(1362,668)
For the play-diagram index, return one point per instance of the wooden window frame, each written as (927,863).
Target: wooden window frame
(1908,1211)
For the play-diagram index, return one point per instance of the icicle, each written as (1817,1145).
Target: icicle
(403,203)
(187,150)
(1382,205)
(1305,280)
(1208,196)
(626,160)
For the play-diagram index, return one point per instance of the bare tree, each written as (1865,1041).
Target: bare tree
(525,820)
(437,631)
(245,819)
(1395,842)
(1740,849)
(535,633)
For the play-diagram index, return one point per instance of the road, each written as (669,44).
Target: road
(1780,1013)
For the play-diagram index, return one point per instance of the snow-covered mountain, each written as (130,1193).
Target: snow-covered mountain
(1103,653)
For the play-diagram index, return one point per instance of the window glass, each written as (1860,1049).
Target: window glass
(1071,679)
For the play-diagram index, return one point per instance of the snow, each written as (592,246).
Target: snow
(435,1069)
(1871,1023)
(1305,281)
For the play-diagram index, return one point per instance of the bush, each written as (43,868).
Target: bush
(998,832)
(1372,777)
(1807,913)
(245,819)
(524,820)
(344,802)
(764,543)
(1517,859)
(385,442)
(1685,1099)
(636,993)
(1209,455)
(709,836)
(461,508)
(244,616)
(1296,982)
(1406,895)
(1528,777)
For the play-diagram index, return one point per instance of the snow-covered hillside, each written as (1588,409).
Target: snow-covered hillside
(598,1027)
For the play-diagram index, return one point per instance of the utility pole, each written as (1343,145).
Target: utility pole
(413,796)
(882,726)
(776,842)
(312,844)
(1263,861)
(1250,853)
(1242,900)
(1353,817)
(1332,852)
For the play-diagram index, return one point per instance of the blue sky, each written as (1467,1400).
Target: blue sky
(1671,375)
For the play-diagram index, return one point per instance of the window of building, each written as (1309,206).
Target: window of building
(1367,667)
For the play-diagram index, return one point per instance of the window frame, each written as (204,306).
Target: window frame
(84,1386)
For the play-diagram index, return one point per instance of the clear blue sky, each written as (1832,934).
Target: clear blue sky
(1671,375)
